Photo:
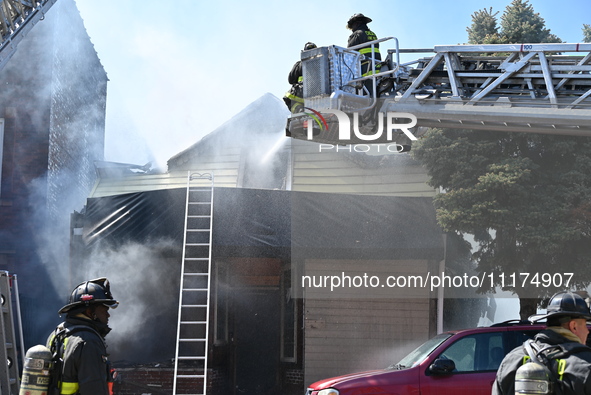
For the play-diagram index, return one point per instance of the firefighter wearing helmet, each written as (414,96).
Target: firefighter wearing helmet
(80,340)
(294,98)
(557,361)
(362,34)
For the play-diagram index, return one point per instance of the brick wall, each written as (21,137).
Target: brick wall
(293,377)
(155,381)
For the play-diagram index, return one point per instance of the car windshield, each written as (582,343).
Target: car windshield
(421,352)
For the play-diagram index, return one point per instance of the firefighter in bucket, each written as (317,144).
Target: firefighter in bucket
(294,98)
(556,361)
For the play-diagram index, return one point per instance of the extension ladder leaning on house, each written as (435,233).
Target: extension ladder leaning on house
(194,297)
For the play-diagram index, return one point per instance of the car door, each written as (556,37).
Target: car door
(476,358)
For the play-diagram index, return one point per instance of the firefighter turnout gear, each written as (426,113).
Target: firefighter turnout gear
(79,351)
(569,362)
(559,348)
(81,347)
(36,371)
(294,98)
(362,34)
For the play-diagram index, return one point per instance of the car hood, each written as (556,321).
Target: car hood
(371,378)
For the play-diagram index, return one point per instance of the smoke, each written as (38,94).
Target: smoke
(146,283)
(383,357)
(53,102)
(256,135)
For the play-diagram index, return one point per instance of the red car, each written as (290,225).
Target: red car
(451,363)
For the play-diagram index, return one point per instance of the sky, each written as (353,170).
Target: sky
(179,69)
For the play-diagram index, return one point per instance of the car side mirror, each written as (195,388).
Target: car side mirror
(442,366)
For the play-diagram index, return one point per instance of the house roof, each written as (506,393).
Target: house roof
(261,119)
(120,178)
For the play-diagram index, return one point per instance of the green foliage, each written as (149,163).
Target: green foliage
(586,33)
(525,198)
(520,24)
(484,24)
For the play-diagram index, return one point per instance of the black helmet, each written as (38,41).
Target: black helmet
(90,292)
(309,45)
(565,305)
(357,18)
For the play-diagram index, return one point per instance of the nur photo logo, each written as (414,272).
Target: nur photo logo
(347,130)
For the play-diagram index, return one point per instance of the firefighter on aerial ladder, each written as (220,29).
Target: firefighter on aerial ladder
(362,34)
(294,98)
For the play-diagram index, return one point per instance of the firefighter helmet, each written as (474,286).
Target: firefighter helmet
(565,305)
(89,292)
(309,45)
(357,18)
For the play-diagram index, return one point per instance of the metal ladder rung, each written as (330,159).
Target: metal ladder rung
(195,331)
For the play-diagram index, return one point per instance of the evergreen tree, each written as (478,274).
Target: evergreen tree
(586,33)
(484,27)
(526,198)
(520,24)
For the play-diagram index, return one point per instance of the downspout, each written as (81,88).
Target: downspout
(440,293)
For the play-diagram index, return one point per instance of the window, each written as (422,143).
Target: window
(288,319)
(221,303)
(477,353)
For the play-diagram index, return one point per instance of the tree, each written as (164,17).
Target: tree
(526,198)
(520,24)
(586,33)
(484,28)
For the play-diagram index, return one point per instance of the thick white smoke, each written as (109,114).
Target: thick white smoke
(146,285)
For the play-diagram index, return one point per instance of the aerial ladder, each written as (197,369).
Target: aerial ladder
(17,18)
(539,88)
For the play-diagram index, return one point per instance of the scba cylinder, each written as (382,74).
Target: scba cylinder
(36,371)
(533,378)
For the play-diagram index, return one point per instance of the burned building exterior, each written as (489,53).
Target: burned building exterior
(52,119)
(282,211)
